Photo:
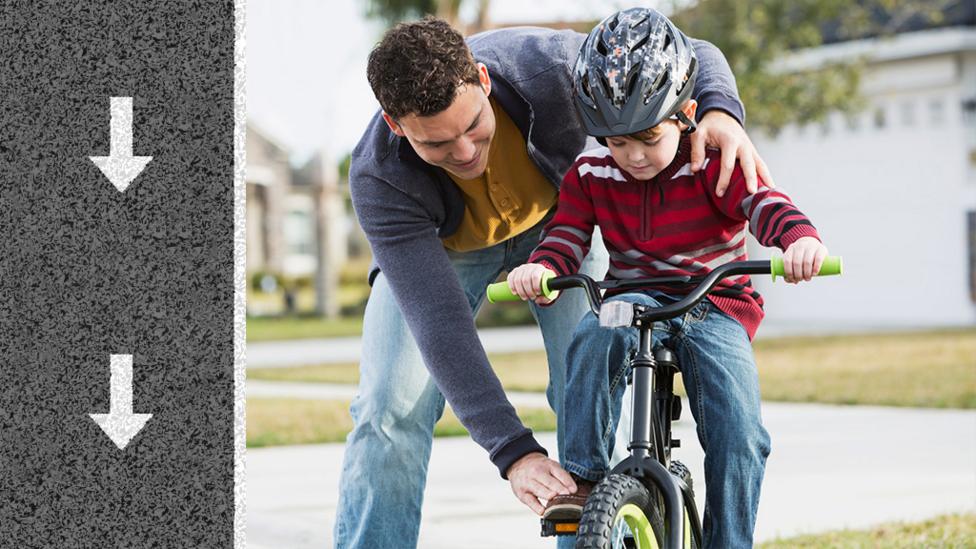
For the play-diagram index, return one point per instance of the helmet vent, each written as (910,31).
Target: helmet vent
(605,84)
(640,43)
(667,42)
(632,80)
(585,83)
(601,47)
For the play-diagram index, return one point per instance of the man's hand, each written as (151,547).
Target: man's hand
(536,479)
(718,129)
(525,281)
(802,260)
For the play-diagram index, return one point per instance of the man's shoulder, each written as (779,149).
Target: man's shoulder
(521,52)
(377,141)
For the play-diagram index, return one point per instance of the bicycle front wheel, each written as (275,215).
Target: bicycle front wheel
(620,514)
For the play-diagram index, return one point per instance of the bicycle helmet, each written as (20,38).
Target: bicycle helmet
(634,71)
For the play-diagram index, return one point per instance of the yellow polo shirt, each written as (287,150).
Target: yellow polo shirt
(508,199)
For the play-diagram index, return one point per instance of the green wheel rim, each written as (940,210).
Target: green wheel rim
(639,525)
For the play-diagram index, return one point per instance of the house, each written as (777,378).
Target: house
(294,220)
(892,188)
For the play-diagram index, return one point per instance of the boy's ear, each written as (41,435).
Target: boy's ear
(690,108)
(686,117)
(394,126)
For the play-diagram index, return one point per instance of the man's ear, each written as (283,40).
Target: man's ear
(394,127)
(484,78)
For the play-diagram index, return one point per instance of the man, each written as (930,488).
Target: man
(452,182)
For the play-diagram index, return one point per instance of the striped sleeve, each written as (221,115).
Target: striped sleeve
(566,238)
(772,217)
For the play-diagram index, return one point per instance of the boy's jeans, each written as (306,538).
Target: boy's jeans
(385,466)
(720,376)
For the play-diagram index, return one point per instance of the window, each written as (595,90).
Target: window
(908,113)
(936,111)
(880,120)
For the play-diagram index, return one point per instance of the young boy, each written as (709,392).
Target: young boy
(634,76)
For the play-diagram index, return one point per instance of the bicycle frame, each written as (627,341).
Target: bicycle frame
(654,405)
(650,446)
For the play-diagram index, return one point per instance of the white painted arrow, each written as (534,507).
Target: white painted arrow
(120,424)
(120,167)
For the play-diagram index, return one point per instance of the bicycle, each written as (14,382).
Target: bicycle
(647,500)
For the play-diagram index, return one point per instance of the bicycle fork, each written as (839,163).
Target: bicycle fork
(654,407)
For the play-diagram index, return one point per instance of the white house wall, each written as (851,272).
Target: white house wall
(892,200)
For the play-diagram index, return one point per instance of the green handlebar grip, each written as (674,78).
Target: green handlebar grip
(499,291)
(832,265)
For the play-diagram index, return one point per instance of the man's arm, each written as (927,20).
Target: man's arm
(721,116)
(406,247)
(715,87)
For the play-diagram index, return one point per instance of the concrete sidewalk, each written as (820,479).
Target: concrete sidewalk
(831,467)
(301,352)
(337,391)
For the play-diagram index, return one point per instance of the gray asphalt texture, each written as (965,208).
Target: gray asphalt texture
(87,271)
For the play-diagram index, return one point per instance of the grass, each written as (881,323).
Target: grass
(947,531)
(300,327)
(277,421)
(920,369)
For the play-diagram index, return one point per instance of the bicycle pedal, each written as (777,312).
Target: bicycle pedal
(559,527)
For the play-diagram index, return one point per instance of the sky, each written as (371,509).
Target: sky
(306,64)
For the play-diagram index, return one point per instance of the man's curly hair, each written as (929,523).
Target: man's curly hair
(418,66)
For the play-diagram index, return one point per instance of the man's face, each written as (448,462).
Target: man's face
(457,138)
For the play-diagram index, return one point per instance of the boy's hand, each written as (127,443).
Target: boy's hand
(535,477)
(718,129)
(802,260)
(525,281)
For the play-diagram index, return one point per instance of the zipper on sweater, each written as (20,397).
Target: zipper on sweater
(645,229)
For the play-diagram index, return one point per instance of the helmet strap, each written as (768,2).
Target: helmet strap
(692,126)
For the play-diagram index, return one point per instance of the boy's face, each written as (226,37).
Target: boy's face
(645,158)
(457,138)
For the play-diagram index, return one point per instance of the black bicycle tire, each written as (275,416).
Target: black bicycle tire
(606,500)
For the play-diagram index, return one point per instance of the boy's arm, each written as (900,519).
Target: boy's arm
(772,217)
(566,238)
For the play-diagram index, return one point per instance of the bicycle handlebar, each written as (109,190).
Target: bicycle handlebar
(499,291)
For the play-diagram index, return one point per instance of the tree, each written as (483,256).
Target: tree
(755,34)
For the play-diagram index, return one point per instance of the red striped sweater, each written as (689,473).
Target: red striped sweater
(674,224)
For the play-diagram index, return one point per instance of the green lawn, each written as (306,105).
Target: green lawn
(278,421)
(945,532)
(300,327)
(924,369)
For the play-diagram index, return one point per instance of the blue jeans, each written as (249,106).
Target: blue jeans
(385,466)
(719,374)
